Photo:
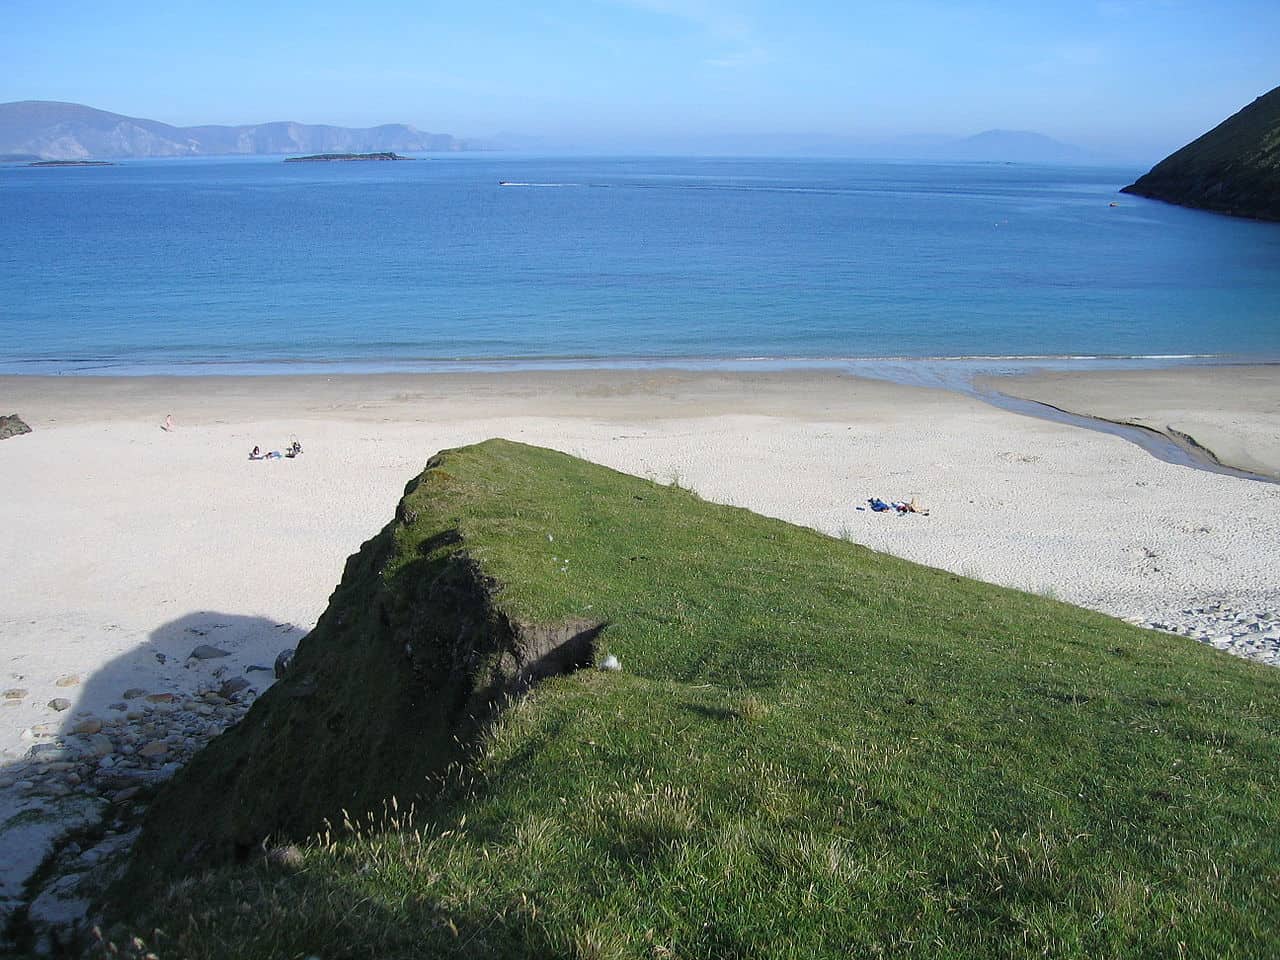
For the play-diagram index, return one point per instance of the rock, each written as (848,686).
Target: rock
(70,680)
(284,660)
(233,686)
(17,693)
(100,745)
(92,725)
(122,796)
(161,698)
(48,752)
(59,704)
(207,652)
(133,693)
(118,706)
(154,749)
(12,426)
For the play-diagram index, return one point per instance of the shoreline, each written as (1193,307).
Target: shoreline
(1007,383)
(966,364)
(127,546)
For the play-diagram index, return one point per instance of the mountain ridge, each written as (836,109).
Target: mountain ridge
(1233,169)
(56,130)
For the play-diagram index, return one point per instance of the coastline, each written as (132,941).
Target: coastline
(127,546)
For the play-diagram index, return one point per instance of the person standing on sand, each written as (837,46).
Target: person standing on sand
(167,426)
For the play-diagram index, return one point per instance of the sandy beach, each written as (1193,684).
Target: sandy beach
(126,547)
(1231,411)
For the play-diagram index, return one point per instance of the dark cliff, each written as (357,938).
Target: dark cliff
(1232,169)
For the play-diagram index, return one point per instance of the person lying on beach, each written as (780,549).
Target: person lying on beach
(901,506)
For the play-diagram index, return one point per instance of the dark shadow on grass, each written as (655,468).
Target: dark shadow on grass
(307,912)
(712,713)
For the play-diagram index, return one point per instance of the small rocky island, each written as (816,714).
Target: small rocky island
(329,157)
(71,163)
(1232,169)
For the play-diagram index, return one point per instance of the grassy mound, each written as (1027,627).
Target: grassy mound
(811,750)
(1234,168)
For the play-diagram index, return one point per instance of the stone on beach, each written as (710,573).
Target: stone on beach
(207,651)
(12,426)
(232,687)
(59,704)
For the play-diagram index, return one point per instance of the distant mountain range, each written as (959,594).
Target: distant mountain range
(1233,169)
(49,130)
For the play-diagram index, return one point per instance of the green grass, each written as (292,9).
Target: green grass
(812,750)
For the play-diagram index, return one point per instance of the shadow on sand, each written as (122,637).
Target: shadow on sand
(71,803)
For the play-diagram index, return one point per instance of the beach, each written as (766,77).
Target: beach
(127,547)
(1232,412)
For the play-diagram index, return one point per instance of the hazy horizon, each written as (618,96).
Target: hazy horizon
(1125,80)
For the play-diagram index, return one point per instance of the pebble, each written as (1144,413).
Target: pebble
(207,652)
(92,725)
(59,704)
(133,693)
(17,693)
(1252,634)
(70,680)
(233,686)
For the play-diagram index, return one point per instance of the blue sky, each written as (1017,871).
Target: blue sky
(1132,77)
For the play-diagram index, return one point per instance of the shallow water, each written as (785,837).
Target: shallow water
(253,265)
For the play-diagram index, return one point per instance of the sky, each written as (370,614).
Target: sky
(1129,78)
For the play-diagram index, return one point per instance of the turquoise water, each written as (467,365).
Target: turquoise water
(256,265)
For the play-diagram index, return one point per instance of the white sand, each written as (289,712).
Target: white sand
(1234,411)
(121,541)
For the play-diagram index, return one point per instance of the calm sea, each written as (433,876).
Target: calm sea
(252,265)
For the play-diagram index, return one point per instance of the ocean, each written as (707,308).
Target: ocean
(252,265)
